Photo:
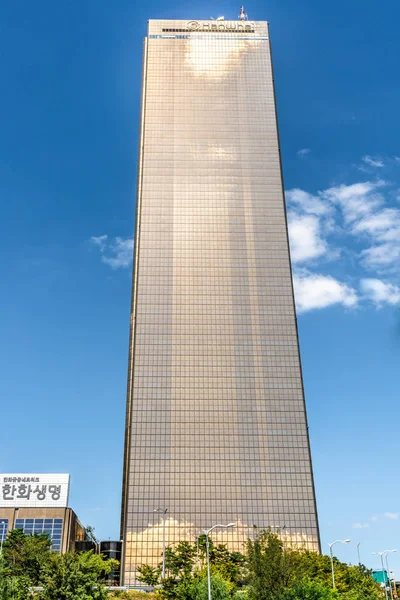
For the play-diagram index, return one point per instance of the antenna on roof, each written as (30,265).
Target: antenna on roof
(242,15)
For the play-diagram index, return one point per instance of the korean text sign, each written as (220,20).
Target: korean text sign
(22,490)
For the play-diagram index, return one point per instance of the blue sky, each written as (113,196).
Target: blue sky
(70,79)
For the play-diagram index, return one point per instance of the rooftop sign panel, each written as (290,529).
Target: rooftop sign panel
(34,490)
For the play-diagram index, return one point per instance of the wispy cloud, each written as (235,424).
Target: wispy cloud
(385,224)
(116,252)
(381,257)
(319,291)
(360,215)
(382,230)
(100,241)
(358,223)
(379,292)
(373,161)
(360,525)
(303,152)
(356,200)
(390,515)
(305,238)
(302,201)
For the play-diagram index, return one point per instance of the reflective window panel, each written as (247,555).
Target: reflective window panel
(53,527)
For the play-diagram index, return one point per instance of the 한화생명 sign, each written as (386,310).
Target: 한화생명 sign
(24,490)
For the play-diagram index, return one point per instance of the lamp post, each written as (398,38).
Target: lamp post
(382,554)
(331,554)
(358,553)
(164,512)
(386,552)
(207,532)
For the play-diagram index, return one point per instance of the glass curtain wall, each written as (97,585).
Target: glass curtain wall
(216,424)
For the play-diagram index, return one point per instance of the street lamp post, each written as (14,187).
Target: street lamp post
(207,532)
(358,553)
(164,512)
(331,554)
(386,552)
(382,554)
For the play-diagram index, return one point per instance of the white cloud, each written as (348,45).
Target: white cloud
(385,224)
(361,206)
(390,515)
(314,291)
(380,293)
(307,203)
(303,152)
(99,241)
(318,224)
(117,252)
(356,200)
(373,161)
(360,525)
(383,229)
(383,256)
(121,251)
(305,240)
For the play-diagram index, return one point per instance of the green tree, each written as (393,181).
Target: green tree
(186,575)
(74,576)
(149,575)
(356,582)
(351,581)
(274,569)
(309,590)
(230,565)
(242,594)
(26,555)
(269,566)
(220,589)
(11,587)
(179,567)
(89,531)
(180,560)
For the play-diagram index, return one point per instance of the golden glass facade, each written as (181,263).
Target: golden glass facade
(216,424)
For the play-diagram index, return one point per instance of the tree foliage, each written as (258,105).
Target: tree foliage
(26,555)
(275,570)
(149,575)
(28,562)
(220,588)
(309,590)
(74,576)
(268,570)
(89,531)
(12,587)
(186,572)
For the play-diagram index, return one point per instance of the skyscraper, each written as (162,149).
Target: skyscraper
(216,425)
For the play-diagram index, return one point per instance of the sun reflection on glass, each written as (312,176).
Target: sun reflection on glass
(208,58)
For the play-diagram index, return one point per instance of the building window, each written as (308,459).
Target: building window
(53,527)
(3,530)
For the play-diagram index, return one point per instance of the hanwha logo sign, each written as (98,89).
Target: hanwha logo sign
(220,26)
